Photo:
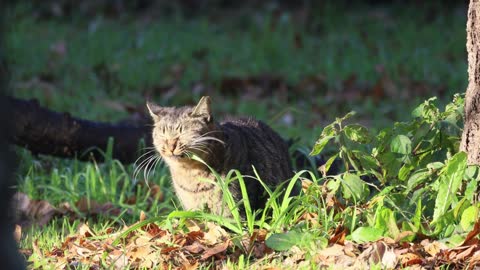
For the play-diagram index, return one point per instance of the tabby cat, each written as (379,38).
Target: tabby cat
(234,144)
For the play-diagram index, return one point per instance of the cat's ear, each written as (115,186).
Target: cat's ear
(154,110)
(203,109)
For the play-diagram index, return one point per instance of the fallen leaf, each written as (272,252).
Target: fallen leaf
(193,236)
(36,249)
(139,252)
(333,250)
(433,248)
(215,250)
(466,253)
(471,238)
(119,261)
(154,230)
(28,211)
(475,259)
(143,216)
(195,247)
(17,234)
(85,231)
(409,259)
(260,250)
(215,234)
(402,235)
(389,259)
(338,236)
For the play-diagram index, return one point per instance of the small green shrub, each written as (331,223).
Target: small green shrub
(407,177)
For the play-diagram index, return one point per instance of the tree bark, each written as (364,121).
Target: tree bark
(470,142)
(43,131)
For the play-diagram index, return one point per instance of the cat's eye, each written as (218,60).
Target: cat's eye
(180,129)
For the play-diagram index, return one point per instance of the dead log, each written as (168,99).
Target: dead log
(43,131)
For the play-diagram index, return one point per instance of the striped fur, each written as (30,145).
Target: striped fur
(232,144)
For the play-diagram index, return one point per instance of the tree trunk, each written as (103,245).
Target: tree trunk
(471,134)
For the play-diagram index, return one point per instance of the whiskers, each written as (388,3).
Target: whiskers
(201,143)
(149,161)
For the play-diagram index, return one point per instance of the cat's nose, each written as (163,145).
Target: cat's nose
(172,144)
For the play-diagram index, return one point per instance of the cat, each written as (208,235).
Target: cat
(238,144)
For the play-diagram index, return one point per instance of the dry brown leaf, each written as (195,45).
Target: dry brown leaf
(306,183)
(193,236)
(466,253)
(295,256)
(471,238)
(37,250)
(81,251)
(167,250)
(120,261)
(220,248)
(389,259)
(402,235)
(334,250)
(84,204)
(475,259)
(28,211)
(338,236)
(42,211)
(351,249)
(215,234)
(193,225)
(143,216)
(139,252)
(195,248)
(153,230)
(55,252)
(433,248)
(375,253)
(312,218)
(260,250)
(156,192)
(409,259)
(85,231)
(17,233)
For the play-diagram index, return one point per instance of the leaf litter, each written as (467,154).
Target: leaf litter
(145,244)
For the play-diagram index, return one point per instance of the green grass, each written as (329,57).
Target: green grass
(136,56)
(140,55)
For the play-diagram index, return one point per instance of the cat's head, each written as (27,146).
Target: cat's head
(180,131)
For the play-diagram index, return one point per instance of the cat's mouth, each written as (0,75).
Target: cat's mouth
(176,156)
(180,156)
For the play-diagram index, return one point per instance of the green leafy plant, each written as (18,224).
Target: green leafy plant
(406,175)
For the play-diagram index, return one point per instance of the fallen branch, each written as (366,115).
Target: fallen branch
(43,131)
